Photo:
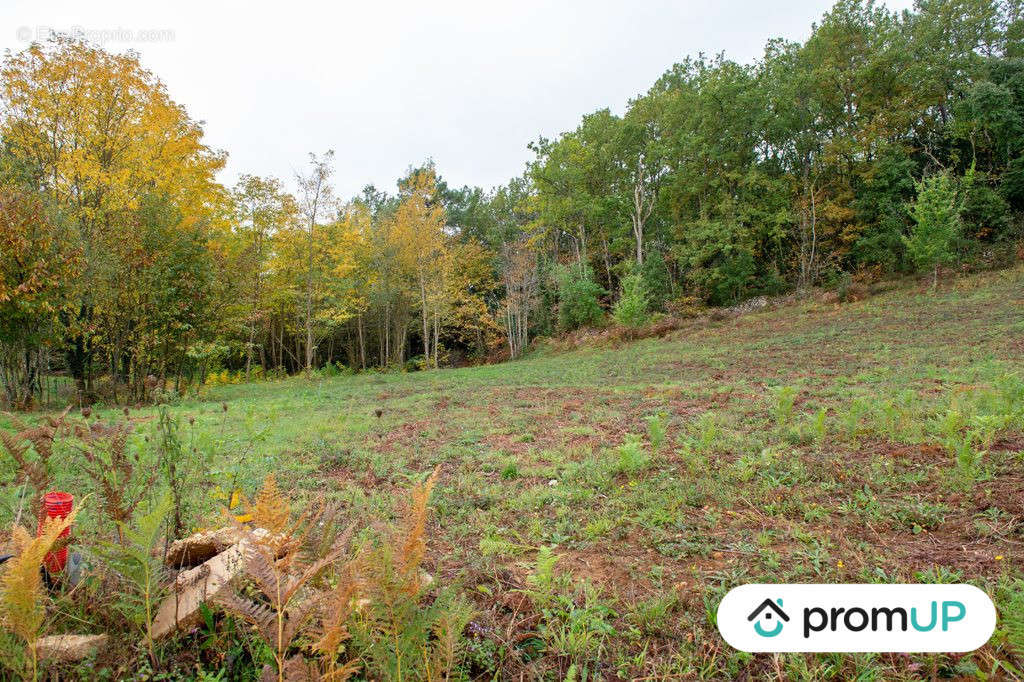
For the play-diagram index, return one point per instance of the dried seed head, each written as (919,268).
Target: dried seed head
(191,420)
(224,407)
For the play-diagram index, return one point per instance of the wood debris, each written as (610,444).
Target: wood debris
(69,647)
(197,585)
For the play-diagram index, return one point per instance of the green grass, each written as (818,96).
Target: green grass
(596,504)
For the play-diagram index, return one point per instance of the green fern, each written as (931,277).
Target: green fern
(657,427)
(632,458)
(785,400)
(818,426)
(137,561)
(1011,616)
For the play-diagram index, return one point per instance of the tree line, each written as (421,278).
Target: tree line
(885,143)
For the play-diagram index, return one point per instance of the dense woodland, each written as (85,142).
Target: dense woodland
(885,144)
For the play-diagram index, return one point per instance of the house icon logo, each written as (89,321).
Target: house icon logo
(767,612)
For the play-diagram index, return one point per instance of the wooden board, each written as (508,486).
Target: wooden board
(69,647)
(195,586)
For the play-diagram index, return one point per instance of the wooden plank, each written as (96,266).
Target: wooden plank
(196,586)
(69,647)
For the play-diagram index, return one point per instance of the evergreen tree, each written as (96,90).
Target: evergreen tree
(936,215)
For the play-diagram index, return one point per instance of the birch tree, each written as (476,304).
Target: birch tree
(315,198)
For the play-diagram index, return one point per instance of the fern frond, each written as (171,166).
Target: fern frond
(259,615)
(60,421)
(317,567)
(15,445)
(270,509)
(297,617)
(20,539)
(146,529)
(260,567)
(16,421)
(296,669)
(544,571)
(1013,619)
(447,635)
(412,546)
(337,607)
(336,674)
(20,584)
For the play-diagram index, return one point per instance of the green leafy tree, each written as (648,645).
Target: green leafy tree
(36,264)
(883,194)
(578,297)
(657,279)
(631,310)
(936,215)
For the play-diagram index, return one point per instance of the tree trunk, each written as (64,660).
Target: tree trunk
(248,350)
(437,335)
(362,343)
(309,299)
(426,328)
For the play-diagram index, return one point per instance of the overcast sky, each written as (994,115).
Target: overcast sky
(390,84)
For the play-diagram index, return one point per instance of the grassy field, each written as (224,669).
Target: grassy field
(595,505)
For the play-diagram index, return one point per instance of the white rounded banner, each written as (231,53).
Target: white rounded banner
(856,618)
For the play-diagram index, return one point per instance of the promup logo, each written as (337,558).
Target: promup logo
(904,618)
(767,610)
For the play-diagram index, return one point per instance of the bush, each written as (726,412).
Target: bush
(986,215)
(848,290)
(657,280)
(631,309)
(685,306)
(881,208)
(578,295)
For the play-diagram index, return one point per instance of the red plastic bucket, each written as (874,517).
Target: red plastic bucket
(57,505)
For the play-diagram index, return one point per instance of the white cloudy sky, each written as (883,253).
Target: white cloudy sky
(389,84)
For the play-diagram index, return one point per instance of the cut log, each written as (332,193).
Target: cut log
(201,547)
(195,586)
(69,647)
(196,549)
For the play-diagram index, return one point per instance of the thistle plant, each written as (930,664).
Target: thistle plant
(121,478)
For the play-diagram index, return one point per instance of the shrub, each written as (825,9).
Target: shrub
(685,306)
(986,215)
(578,295)
(656,278)
(849,290)
(631,309)
(320,606)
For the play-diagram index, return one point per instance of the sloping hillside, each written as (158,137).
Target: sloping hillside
(874,441)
